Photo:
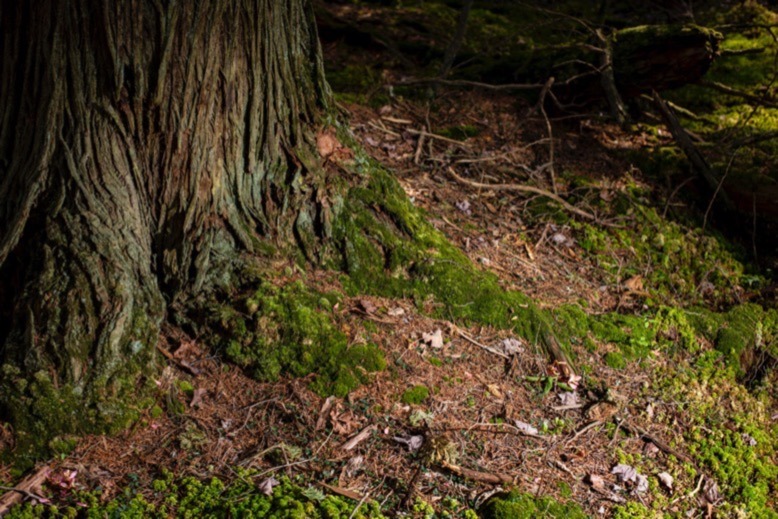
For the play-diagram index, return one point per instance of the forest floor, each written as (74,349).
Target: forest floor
(648,423)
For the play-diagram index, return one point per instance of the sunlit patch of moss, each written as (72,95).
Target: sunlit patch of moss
(729,432)
(615,360)
(519,505)
(678,265)
(291,330)
(190,497)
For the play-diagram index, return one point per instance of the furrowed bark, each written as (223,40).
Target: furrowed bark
(144,147)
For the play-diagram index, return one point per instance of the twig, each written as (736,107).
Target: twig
(358,438)
(690,494)
(525,189)
(582,430)
(718,188)
(475,342)
(14,495)
(542,109)
(438,137)
(715,85)
(359,505)
(484,477)
(645,436)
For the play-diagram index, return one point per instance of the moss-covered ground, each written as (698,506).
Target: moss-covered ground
(657,311)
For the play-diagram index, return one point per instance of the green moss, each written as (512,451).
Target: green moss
(47,417)
(191,498)
(292,331)
(518,505)
(634,510)
(415,395)
(730,432)
(387,247)
(185,387)
(615,360)
(674,261)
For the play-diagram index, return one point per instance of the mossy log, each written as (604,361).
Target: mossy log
(645,58)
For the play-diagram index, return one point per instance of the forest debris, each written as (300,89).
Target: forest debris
(494,478)
(413,443)
(342,491)
(197,397)
(267,485)
(525,189)
(324,413)
(666,480)
(29,487)
(358,438)
(434,339)
(525,428)
(597,484)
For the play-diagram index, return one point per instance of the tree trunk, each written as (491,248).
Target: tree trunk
(144,146)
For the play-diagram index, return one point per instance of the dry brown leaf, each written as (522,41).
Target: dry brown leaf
(601,411)
(634,284)
(326,143)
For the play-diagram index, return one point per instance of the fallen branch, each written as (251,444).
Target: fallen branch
(724,89)
(525,189)
(662,446)
(680,135)
(25,488)
(475,475)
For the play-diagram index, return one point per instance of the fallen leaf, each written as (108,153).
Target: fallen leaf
(434,339)
(395,312)
(625,473)
(601,411)
(511,346)
(464,206)
(266,486)
(642,484)
(750,440)
(413,443)
(597,482)
(326,143)
(634,284)
(666,480)
(525,428)
(197,397)
(568,398)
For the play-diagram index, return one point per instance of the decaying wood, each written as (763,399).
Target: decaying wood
(29,487)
